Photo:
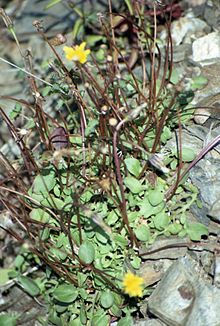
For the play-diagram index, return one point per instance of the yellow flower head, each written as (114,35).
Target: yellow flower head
(133,285)
(77,53)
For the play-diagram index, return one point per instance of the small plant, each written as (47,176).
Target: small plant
(92,185)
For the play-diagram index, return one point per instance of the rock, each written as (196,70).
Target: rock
(185,27)
(206,49)
(165,248)
(213,86)
(181,52)
(194,3)
(217,271)
(184,298)
(206,177)
(149,322)
(212,13)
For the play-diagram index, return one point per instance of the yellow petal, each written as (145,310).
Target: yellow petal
(133,285)
(69,52)
(77,53)
(82,46)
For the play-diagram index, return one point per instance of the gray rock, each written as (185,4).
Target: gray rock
(149,322)
(217,271)
(206,49)
(205,175)
(212,13)
(183,29)
(184,298)
(181,52)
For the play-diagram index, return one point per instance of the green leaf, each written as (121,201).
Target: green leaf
(182,233)
(146,209)
(132,216)
(66,293)
(53,202)
(101,237)
(112,218)
(175,76)
(91,40)
(40,215)
(188,154)
(174,228)
(77,27)
(75,322)
(155,197)
(126,321)
(91,127)
(52,3)
(100,319)
(133,184)
(161,220)
(87,252)
(4,277)
(44,183)
(135,262)
(44,234)
(8,320)
(198,82)
(83,317)
(130,6)
(106,299)
(19,261)
(166,134)
(16,111)
(120,240)
(133,165)
(58,253)
(196,231)
(29,285)
(100,55)
(81,277)
(142,233)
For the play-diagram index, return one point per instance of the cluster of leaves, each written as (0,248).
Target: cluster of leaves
(99,190)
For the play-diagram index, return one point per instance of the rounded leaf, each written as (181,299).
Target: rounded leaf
(8,320)
(155,197)
(133,184)
(161,220)
(66,293)
(86,252)
(142,233)
(196,231)
(107,299)
(53,202)
(133,165)
(100,319)
(174,228)
(44,183)
(40,215)
(188,154)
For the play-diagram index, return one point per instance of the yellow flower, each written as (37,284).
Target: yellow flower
(77,53)
(133,285)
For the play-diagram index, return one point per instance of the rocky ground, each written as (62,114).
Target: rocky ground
(189,291)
